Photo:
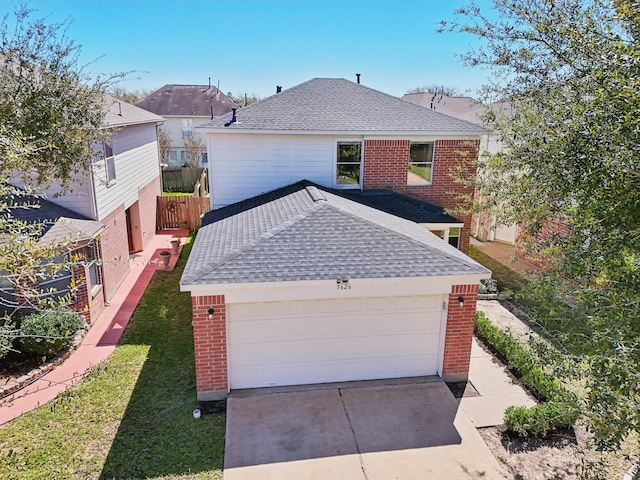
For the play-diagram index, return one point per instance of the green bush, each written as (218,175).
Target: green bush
(7,334)
(50,331)
(560,406)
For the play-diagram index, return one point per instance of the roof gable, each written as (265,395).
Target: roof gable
(302,232)
(338,105)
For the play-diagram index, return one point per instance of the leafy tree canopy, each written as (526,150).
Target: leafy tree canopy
(51,108)
(569,71)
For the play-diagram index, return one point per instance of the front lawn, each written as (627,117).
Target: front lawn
(507,278)
(132,416)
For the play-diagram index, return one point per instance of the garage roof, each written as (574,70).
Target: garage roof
(306,232)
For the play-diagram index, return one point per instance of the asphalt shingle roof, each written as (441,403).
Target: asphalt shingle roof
(58,223)
(304,232)
(120,114)
(187,100)
(338,105)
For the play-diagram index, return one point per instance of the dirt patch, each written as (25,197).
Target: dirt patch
(214,407)
(555,457)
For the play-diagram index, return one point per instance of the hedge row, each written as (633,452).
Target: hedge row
(558,407)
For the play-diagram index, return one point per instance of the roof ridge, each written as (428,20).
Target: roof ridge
(263,237)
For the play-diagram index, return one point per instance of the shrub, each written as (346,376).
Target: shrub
(7,334)
(560,406)
(50,331)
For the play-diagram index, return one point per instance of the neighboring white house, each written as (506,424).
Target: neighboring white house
(484,226)
(120,192)
(185,107)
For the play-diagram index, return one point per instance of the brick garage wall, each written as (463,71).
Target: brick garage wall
(114,249)
(459,335)
(147,201)
(210,347)
(386,163)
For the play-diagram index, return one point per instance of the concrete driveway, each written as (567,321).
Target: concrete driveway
(363,430)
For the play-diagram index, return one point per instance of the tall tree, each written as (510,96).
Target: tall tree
(570,70)
(51,118)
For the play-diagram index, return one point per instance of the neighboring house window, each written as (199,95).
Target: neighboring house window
(420,164)
(110,163)
(454,236)
(173,161)
(95,274)
(450,235)
(183,158)
(59,284)
(187,127)
(348,164)
(8,300)
(204,160)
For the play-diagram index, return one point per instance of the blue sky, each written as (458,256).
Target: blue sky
(252,46)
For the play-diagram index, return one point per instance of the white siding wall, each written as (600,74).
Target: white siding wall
(174,126)
(243,166)
(136,162)
(78,199)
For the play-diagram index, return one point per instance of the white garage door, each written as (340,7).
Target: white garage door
(317,341)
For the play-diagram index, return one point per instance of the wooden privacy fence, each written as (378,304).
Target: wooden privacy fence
(181,212)
(181,179)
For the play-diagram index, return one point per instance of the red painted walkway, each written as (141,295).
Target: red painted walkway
(104,335)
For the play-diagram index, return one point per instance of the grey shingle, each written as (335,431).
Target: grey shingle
(338,105)
(58,223)
(305,232)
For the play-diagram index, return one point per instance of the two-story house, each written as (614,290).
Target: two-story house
(318,262)
(185,107)
(112,207)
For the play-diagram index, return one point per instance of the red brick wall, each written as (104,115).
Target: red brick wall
(459,335)
(90,307)
(210,347)
(147,201)
(115,251)
(386,163)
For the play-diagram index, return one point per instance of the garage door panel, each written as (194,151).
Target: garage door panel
(332,340)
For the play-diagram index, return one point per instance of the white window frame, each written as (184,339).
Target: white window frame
(336,142)
(109,162)
(430,163)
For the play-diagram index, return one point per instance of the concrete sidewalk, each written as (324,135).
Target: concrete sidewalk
(102,338)
(497,388)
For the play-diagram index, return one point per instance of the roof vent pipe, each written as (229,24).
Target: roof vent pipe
(358,78)
(278,88)
(211,107)
(233,118)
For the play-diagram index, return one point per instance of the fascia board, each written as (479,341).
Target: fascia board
(324,289)
(452,135)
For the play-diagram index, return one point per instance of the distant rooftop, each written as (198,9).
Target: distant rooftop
(187,100)
(465,108)
(338,105)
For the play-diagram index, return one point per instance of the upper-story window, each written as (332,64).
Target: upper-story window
(109,160)
(420,169)
(187,127)
(348,164)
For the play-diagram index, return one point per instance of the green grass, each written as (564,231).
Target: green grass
(132,416)
(177,194)
(507,279)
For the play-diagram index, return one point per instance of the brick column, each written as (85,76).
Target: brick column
(459,335)
(210,346)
